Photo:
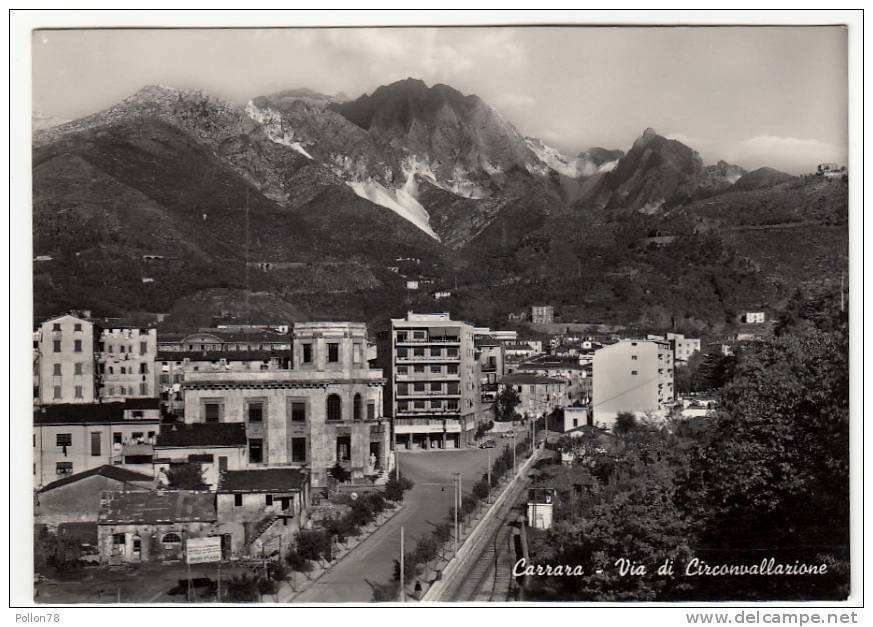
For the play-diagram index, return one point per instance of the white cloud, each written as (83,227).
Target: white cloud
(792,154)
(513,100)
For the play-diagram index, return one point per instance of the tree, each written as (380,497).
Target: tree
(314,545)
(506,402)
(442,533)
(339,473)
(297,562)
(186,476)
(394,488)
(425,552)
(625,423)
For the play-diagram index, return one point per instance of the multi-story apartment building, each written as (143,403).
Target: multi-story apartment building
(433,381)
(575,372)
(125,363)
(542,314)
(632,376)
(539,395)
(489,351)
(324,410)
(73,438)
(683,347)
(64,361)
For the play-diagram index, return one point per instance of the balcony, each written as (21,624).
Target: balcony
(432,340)
(427,358)
(432,410)
(429,376)
(428,393)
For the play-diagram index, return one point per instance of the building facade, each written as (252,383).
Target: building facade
(539,395)
(125,363)
(633,376)
(434,381)
(64,359)
(683,347)
(69,439)
(542,314)
(323,411)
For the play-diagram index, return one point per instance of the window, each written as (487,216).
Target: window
(298,450)
(77,346)
(56,370)
(34,440)
(268,499)
(256,411)
(212,412)
(418,352)
(56,346)
(401,336)
(151,435)
(256,451)
(435,351)
(222,464)
(78,391)
(169,538)
(402,369)
(78,368)
(64,439)
(371,410)
(453,368)
(64,468)
(402,353)
(298,411)
(136,436)
(418,404)
(436,369)
(121,348)
(575,422)
(418,369)
(143,368)
(56,326)
(95,444)
(334,407)
(634,372)
(436,386)
(165,379)
(332,352)
(116,438)
(358,354)
(143,348)
(77,326)
(356,407)
(307,353)
(418,386)
(343,448)
(143,389)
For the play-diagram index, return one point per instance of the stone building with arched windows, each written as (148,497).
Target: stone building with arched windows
(326,408)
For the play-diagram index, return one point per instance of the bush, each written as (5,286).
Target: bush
(394,489)
(277,571)
(297,562)
(267,586)
(313,545)
(386,592)
(377,502)
(481,488)
(469,504)
(241,589)
(361,512)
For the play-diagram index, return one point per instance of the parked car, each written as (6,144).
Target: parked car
(488,444)
(509,434)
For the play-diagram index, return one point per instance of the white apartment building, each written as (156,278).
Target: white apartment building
(632,376)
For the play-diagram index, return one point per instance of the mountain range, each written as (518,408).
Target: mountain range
(314,205)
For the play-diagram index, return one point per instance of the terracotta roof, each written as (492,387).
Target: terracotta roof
(202,434)
(93,413)
(171,506)
(262,480)
(110,472)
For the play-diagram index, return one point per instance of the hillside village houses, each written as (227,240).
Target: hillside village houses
(542,314)
(683,347)
(538,395)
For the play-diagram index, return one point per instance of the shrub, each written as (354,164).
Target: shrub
(278,571)
(339,473)
(241,589)
(361,512)
(386,592)
(394,488)
(469,504)
(267,586)
(313,545)
(481,488)
(297,562)
(377,502)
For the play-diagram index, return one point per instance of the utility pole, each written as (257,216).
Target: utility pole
(402,578)
(489,476)
(457,502)
(513,455)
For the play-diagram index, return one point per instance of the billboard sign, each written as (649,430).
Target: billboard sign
(202,550)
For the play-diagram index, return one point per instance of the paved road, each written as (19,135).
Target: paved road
(428,502)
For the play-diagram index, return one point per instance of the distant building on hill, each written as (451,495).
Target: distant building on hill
(683,347)
(542,314)
(753,317)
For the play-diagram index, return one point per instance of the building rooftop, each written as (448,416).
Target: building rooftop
(202,434)
(94,413)
(171,506)
(216,355)
(110,472)
(262,480)
(522,378)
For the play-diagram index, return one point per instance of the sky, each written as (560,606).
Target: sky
(754,96)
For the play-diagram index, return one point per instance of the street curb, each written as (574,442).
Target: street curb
(311,582)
